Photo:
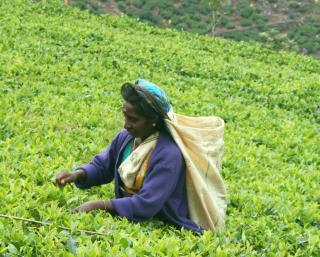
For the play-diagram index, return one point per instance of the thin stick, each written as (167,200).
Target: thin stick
(48,224)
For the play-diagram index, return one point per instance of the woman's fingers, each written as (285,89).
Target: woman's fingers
(86,207)
(68,179)
(60,178)
(64,178)
(76,209)
(91,205)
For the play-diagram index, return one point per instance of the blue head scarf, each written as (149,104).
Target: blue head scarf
(156,92)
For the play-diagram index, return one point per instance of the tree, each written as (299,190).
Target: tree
(217,8)
(318,5)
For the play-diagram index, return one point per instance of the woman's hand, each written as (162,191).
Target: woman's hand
(94,205)
(64,178)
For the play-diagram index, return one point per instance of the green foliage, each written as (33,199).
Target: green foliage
(298,6)
(61,70)
(311,47)
(204,7)
(246,12)
(245,22)
(197,16)
(148,6)
(261,25)
(306,35)
(228,10)
(260,17)
(122,6)
(138,3)
(223,21)
(274,39)
(244,8)
(87,5)
(248,35)
(167,13)
(148,16)
(162,4)
(230,26)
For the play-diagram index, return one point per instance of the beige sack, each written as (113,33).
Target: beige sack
(200,140)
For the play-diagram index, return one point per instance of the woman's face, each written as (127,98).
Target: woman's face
(137,125)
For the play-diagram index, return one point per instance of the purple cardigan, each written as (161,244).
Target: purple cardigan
(163,193)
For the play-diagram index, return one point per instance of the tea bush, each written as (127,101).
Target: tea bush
(60,75)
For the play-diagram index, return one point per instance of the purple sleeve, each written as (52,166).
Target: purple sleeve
(101,169)
(159,184)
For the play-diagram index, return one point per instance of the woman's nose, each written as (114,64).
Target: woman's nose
(126,124)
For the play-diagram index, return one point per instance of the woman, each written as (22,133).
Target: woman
(143,160)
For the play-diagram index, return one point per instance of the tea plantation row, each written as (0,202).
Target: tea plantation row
(60,74)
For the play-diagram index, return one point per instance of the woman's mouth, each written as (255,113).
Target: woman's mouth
(130,131)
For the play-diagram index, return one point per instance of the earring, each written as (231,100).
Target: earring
(153,124)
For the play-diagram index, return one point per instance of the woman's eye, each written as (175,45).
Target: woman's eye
(131,119)
(134,120)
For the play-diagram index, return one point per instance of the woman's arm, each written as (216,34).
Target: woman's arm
(158,186)
(95,205)
(160,183)
(99,171)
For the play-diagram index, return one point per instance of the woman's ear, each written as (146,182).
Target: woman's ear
(155,122)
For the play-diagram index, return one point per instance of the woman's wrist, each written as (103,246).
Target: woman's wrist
(104,205)
(108,206)
(95,205)
(80,175)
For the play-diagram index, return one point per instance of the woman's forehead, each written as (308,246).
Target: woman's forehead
(129,109)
